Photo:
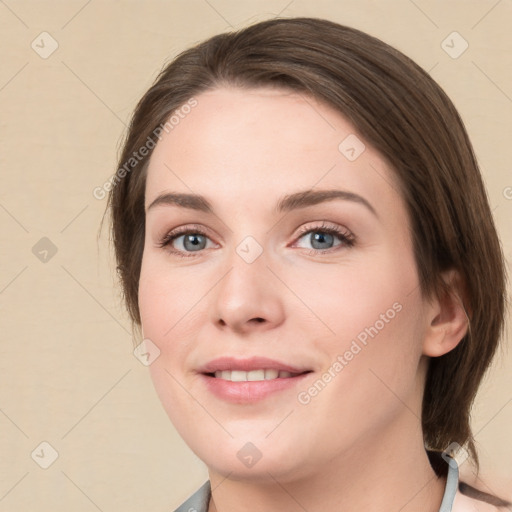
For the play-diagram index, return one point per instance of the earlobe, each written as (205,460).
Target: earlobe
(448,321)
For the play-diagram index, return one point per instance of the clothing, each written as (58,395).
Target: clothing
(199,501)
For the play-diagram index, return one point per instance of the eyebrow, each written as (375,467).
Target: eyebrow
(287,203)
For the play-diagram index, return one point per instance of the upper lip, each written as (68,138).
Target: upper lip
(248,364)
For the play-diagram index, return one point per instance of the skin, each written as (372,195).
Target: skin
(358,443)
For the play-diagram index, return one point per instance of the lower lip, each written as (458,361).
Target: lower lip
(249,391)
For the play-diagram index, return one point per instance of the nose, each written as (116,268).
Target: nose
(248,297)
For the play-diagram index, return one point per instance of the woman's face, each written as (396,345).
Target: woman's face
(296,272)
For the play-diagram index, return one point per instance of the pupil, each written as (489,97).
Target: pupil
(193,242)
(322,238)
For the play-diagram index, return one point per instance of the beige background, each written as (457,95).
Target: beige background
(67,372)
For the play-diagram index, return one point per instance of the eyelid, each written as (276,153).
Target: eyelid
(346,237)
(169,236)
(319,227)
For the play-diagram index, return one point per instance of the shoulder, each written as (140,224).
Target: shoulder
(470,499)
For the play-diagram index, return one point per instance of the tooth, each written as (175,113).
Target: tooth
(238,376)
(256,375)
(253,375)
(271,374)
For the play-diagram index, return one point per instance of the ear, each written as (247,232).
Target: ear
(447,320)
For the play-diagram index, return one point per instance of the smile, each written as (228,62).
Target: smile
(250,380)
(253,375)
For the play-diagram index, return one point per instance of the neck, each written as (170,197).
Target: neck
(393,473)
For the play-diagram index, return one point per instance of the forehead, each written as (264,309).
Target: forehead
(245,141)
(277,119)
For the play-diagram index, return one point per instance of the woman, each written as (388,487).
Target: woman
(304,240)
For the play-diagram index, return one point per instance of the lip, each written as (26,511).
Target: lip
(248,364)
(247,392)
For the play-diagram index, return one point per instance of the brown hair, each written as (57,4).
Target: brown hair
(398,109)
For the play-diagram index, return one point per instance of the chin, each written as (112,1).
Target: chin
(257,460)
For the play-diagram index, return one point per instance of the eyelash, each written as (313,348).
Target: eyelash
(347,239)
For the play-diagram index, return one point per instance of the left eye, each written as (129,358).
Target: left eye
(325,238)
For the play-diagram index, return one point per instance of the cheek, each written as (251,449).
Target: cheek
(361,295)
(366,316)
(165,302)
(162,303)
(166,298)
(371,361)
(173,307)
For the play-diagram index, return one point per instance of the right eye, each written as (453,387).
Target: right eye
(185,240)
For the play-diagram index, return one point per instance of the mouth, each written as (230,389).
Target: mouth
(254,375)
(249,380)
